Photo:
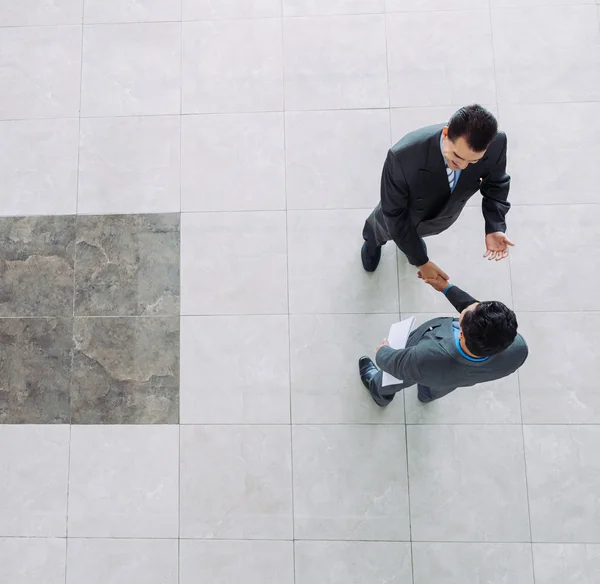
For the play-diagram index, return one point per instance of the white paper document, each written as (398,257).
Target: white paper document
(397,338)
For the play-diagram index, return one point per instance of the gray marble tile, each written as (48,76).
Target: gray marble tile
(320,8)
(209,9)
(334,158)
(32,560)
(232,66)
(467,483)
(35,370)
(353,562)
(129,165)
(566,563)
(547,53)
(335,62)
(122,561)
(36,266)
(472,563)
(236,482)
(38,167)
(127,265)
(425,69)
(131,11)
(36,12)
(563,474)
(231,562)
(33,491)
(123,482)
(423,5)
(126,371)
(326,386)
(350,483)
(120,65)
(40,69)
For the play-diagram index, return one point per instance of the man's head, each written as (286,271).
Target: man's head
(467,136)
(488,328)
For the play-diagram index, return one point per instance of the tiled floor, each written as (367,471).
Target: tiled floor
(182,304)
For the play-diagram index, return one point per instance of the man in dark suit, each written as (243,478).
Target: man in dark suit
(428,177)
(445,353)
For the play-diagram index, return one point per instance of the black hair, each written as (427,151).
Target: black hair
(475,124)
(489,328)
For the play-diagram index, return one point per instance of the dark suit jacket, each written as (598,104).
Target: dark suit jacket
(432,359)
(415,196)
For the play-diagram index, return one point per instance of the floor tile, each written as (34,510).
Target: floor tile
(567,391)
(232,66)
(40,72)
(32,561)
(566,563)
(36,265)
(236,482)
(472,563)
(563,474)
(34,12)
(233,263)
(122,561)
(230,562)
(459,252)
(35,370)
(123,481)
(129,165)
(33,496)
(126,371)
(207,9)
(324,255)
(350,483)
(570,147)
(353,562)
(253,143)
(424,69)
(547,54)
(334,158)
(467,483)
(120,64)
(503,3)
(496,402)
(127,265)
(335,62)
(554,243)
(244,382)
(136,11)
(38,167)
(326,386)
(317,8)
(409,5)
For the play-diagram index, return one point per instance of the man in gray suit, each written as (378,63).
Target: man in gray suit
(445,353)
(428,177)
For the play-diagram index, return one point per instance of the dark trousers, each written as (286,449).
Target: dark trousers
(376,234)
(425,394)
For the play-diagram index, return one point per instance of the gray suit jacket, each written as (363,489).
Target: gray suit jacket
(415,196)
(432,359)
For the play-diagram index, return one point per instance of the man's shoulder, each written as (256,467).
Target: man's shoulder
(417,139)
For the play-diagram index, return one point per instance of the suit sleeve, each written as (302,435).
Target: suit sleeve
(396,212)
(459,298)
(494,190)
(401,363)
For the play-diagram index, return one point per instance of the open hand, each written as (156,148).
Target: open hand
(497,245)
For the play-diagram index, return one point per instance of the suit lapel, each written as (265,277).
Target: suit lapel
(435,164)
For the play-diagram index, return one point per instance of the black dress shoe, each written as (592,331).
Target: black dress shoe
(370,258)
(367,371)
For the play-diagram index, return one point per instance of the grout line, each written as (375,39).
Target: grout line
(67,510)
